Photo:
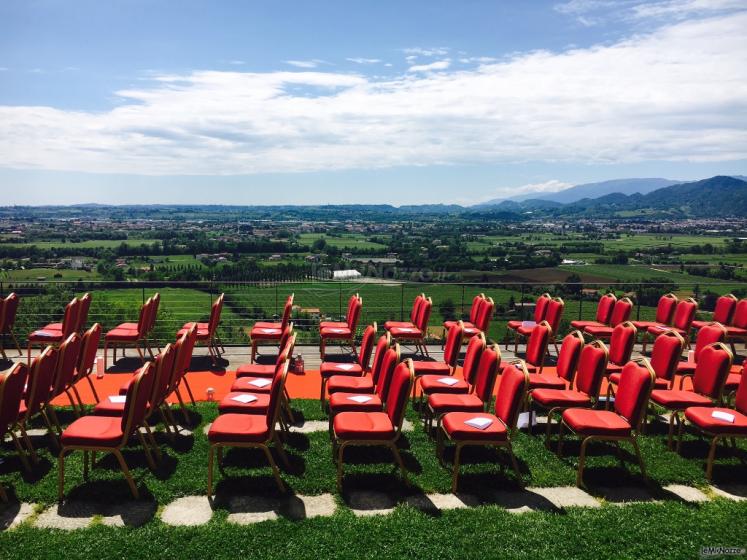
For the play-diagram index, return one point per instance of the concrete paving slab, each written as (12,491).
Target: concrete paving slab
(566,496)
(687,493)
(189,511)
(13,514)
(365,503)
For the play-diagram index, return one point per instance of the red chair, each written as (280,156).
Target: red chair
(253,395)
(592,365)
(483,429)
(343,335)
(682,321)
(359,368)
(727,423)
(352,302)
(664,357)
(620,314)
(722,313)
(8,312)
(481,313)
(87,361)
(603,315)
(363,384)
(109,434)
(708,385)
(52,335)
(620,347)
(251,430)
(707,334)
(540,310)
(414,313)
(37,394)
(207,332)
(270,332)
(622,424)
(568,357)
(553,316)
(130,334)
(664,313)
(451,355)
(181,367)
(415,334)
(438,383)
(536,350)
(478,397)
(67,363)
(84,305)
(267,369)
(736,331)
(733,380)
(12,382)
(375,428)
(474,310)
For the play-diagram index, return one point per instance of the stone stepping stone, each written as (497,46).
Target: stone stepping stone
(13,514)
(69,516)
(621,495)
(736,492)
(130,514)
(246,510)
(521,501)
(307,507)
(189,511)
(566,496)
(687,493)
(365,503)
(442,502)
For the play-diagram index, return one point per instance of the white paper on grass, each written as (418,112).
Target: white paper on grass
(245,398)
(525,418)
(448,381)
(118,399)
(725,416)
(479,422)
(360,398)
(346,367)
(260,382)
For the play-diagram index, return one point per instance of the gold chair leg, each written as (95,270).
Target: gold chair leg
(275,470)
(210,472)
(401,464)
(61,475)
(582,462)
(634,441)
(126,471)
(455,470)
(711,458)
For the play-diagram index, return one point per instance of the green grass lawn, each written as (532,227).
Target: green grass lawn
(89,244)
(342,241)
(48,274)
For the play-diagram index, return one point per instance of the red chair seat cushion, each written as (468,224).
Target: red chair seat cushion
(189,325)
(202,334)
(229,406)
(700,324)
(645,325)
(545,381)
(333,325)
(340,402)
(551,398)
(678,400)
(431,368)
(341,332)
(108,408)
(94,431)
(581,325)
(503,365)
(613,368)
(470,331)
(122,335)
(466,324)
(363,426)
(265,333)
(736,332)
(329,369)
(398,325)
(441,403)
(268,325)
(703,418)
(525,331)
(409,332)
(454,425)
(659,383)
(732,382)
(53,327)
(246,385)
(599,332)
(596,422)
(239,428)
(348,384)
(255,370)
(46,335)
(126,385)
(431,384)
(514,324)
(686,368)
(656,331)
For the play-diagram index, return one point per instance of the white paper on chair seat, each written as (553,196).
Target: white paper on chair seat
(528,324)
(269,331)
(725,416)
(479,423)
(360,398)
(46,333)
(448,381)
(346,367)
(260,382)
(337,330)
(662,328)
(118,399)
(408,329)
(246,398)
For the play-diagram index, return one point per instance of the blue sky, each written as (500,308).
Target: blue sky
(368,102)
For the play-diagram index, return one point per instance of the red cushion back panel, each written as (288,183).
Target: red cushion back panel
(485,315)
(604,308)
(367,343)
(142,321)
(740,314)
(711,371)
(287,310)
(475,348)
(397,393)
(621,344)
(632,392)
(537,345)
(621,312)
(385,375)
(70,317)
(276,391)
(381,347)
(684,314)
(136,403)
(453,345)
(163,374)
(89,347)
(541,308)
(67,361)
(591,368)
(285,336)
(11,389)
(185,354)
(724,309)
(666,355)
(215,312)
(351,302)
(554,314)
(424,316)
(510,395)
(153,312)
(10,308)
(708,335)
(486,374)
(474,311)
(42,376)
(665,309)
(355,315)
(741,399)
(415,311)
(84,305)
(570,351)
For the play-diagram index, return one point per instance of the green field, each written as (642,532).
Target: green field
(341,241)
(48,274)
(90,244)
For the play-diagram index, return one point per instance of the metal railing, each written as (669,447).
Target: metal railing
(248,302)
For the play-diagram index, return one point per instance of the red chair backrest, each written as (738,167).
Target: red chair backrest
(621,311)
(537,344)
(604,308)
(511,394)
(487,371)
(633,391)
(541,307)
(287,310)
(366,349)
(184,358)
(453,344)
(391,358)
(12,382)
(475,348)
(67,361)
(415,311)
(740,315)
(70,317)
(164,371)
(142,321)
(712,370)
(153,312)
(591,367)
(425,315)
(665,309)
(84,305)
(398,391)
(89,347)
(351,303)
(10,309)
(666,354)
(474,310)
(709,334)
(285,335)
(276,393)
(166,385)
(383,344)
(570,352)
(136,401)
(215,311)
(286,351)
(40,383)
(485,314)
(355,315)
(740,401)
(724,310)
(554,313)
(684,314)
(622,340)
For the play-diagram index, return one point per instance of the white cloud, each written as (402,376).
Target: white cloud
(359,60)
(595,12)
(676,94)
(438,65)
(419,51)
(236,62)
(305,63)
(3,68)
